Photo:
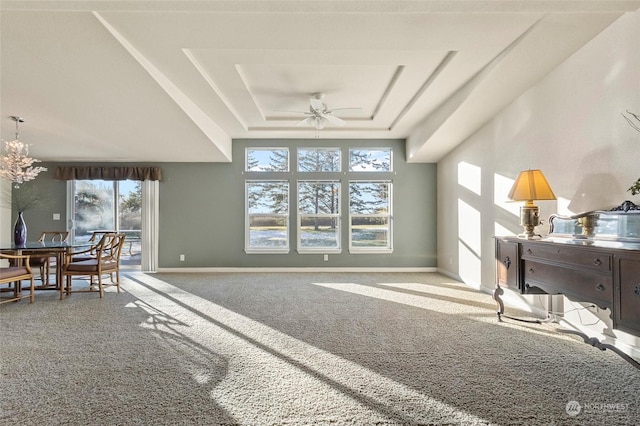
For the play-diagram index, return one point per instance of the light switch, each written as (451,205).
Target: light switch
(56,216)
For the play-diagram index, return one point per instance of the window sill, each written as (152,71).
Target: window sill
(266,251)
(370,251)
(319,251)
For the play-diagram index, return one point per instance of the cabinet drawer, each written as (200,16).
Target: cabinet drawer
(557,253)
(585,285)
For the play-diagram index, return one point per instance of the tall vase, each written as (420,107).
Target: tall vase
(20,231)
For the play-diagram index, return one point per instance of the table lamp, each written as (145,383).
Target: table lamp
(530,185)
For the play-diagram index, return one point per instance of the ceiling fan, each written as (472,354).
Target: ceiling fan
(319,116)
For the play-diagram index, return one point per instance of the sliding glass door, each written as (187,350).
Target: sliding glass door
(100,205)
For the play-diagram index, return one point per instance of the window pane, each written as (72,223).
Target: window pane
(370,160)
(319,160)
(130,205)
(267,160)
(319,232)
(369,197)
(268,232)
(268,197)
(94,207)
(130,219)
(370,232)
(318,197)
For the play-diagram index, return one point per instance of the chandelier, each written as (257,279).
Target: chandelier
(16,165)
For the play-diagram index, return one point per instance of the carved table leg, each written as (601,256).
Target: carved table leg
(589,340)
(602,346)
(496,296)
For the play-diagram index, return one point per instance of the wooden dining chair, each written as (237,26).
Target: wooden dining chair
(101,260)
(13,275)
(43,260)
(93,240)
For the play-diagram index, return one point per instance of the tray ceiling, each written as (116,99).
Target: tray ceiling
(179,80)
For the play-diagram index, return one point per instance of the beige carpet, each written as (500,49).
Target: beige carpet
(298,349)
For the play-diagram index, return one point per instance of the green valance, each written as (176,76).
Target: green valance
(107,173)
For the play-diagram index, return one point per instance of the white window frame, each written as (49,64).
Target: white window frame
(248,216)
(388,216)
(336,216)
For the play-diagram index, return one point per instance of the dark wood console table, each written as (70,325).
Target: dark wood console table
(606,274)
(592,258)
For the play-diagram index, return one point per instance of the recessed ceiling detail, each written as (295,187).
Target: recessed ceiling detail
(128,80)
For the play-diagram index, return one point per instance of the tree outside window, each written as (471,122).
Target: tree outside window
(267,215)
(319,216)
(319,160)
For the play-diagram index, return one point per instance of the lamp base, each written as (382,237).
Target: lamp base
(529,236)
(529,219)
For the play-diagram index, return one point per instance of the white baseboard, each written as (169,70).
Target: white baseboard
(296,269)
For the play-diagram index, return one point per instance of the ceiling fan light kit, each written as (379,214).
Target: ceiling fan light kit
(319,116)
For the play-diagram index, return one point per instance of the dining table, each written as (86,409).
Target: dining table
(55,249)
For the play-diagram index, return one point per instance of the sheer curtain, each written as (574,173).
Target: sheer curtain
(150,204)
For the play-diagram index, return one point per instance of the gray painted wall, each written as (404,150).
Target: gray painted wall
(202,213)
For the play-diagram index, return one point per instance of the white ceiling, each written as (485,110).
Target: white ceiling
(178,80)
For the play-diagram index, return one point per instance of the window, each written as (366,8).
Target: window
(267,160)
(319,216)
(267,216)
(370,160)
(319,160)
(316,178)
(370,216)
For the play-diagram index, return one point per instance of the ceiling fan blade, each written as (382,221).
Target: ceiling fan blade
(342,109)
(333,120)
(309,121)
(292,112)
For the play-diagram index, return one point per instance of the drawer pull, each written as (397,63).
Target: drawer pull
(529,251)
(507,262)
(600,287)
(597,262)
(531,270)
(637,290)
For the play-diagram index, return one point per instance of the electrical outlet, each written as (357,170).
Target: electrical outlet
(182,258)
(56,216)
(326,257)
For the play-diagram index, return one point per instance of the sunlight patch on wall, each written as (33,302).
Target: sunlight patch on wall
(469,244)
(501,187)
(470,177)
(469,227)
(469,267)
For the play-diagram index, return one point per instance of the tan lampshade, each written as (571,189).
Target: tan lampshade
(531,185)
